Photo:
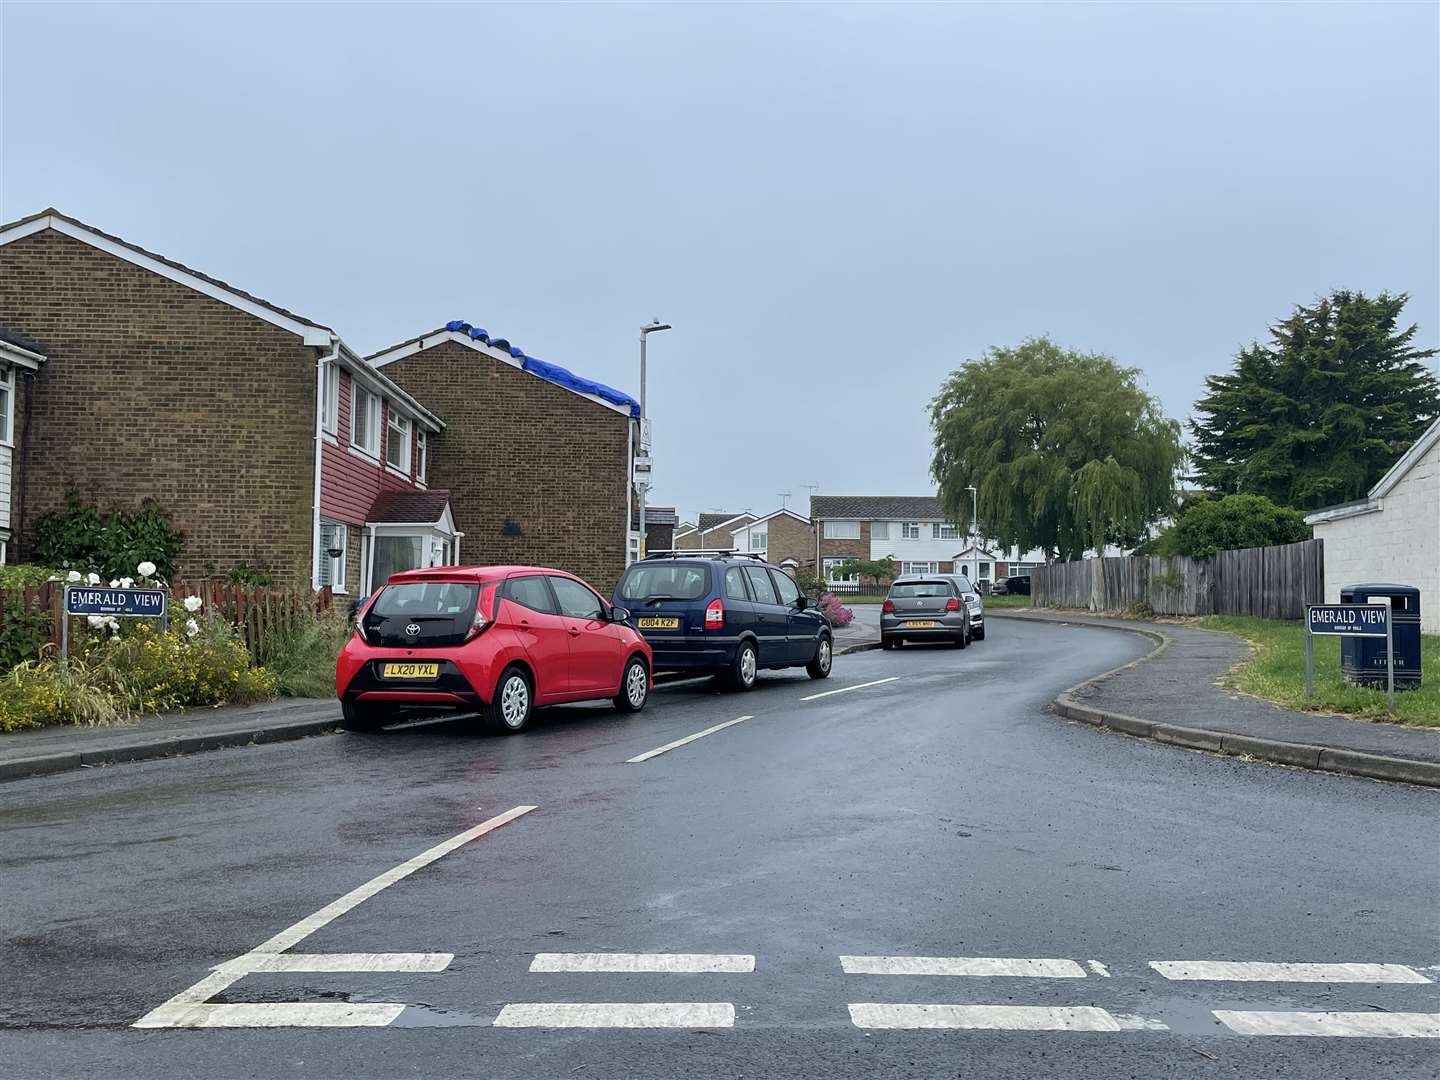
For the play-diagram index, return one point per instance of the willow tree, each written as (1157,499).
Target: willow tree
(1065,449)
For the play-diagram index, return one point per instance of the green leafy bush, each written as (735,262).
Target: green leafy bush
(24,631)
(1206,526)
(80,538)
(153,672)
(41,692)
(245,574)
(302,656)
(23,575)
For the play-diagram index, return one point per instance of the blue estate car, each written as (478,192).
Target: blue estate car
(725,613)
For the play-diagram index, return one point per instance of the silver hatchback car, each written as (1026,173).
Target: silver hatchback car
(924,607)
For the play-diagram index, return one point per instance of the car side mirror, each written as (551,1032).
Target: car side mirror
(802,603)
(619,614)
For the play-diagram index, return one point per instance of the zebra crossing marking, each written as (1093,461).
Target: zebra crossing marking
(877,1016)
(1353,1025)
(646,963)
(613,1014)
(1255,971)
(974,966)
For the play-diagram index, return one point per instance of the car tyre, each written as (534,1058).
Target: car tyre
(634,687)
(824,658)
(979,635)
(886,642)
(357,717)
(962,639)
(744,667)
(510,709)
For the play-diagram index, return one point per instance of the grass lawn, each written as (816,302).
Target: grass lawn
(1277,673)
(1007,601)
(861,598)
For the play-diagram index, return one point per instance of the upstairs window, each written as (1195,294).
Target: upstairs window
(910,530)
(7,404)
(422,448)
(946,532)
(365,422)
(397,442)
(842,530)
(759,539)
(330,398)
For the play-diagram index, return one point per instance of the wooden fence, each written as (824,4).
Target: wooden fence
(1271,582)
(259,614)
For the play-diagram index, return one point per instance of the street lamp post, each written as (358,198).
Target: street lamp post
(654,327)
(975,532)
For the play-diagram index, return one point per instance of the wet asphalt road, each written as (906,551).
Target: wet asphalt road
(942,814)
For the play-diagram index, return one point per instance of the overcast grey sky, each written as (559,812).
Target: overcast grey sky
(835,205)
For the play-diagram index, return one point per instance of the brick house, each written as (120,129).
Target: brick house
(262,436)
(660,527)
(784,537)
(536,459)
(713,532)
(912,530)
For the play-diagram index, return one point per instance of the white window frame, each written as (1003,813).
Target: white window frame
(760,541)
(909,530)
(330,398)
(943,530)
(842,530)
(323,562)
(7,412)
(836,560)
(910,568)
(422,453)
(368,441)
(406,427)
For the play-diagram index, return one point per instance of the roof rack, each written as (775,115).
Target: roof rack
(704,553)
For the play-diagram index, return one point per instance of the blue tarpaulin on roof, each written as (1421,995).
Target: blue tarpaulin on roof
(550,372)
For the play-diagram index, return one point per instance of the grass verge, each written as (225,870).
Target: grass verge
(1277,673)
(1007,601)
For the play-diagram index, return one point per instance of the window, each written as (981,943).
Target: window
(7,404)
(396,553)
(428,599)
(397,442)
(945,532)
(915,589)
(759,539)
(330,559)
(532,593)
(576,600)
(760,585)
(330,397)
(422,448)
(365,421)
(735,584)
(910,530)
(919,568)
(789,594)
(654,580)
(842,530)
(831,565)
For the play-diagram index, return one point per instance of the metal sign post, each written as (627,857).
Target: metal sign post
(116,603)
(1389,658)
(1350,620)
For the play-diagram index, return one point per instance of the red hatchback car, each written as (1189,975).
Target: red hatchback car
(498,639)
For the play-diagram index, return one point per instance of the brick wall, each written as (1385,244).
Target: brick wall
(523,452)
(154,391)
(791,539)
(845,549)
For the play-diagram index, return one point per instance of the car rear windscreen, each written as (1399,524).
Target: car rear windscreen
(911,590)
(675,581)
(429,598)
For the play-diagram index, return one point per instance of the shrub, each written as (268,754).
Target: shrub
(79,538)
(302,656)
(37,693)
(24,631)
(153,672)
(809,582)
(835,611)
(1206,526)
(24,575)
(245,574)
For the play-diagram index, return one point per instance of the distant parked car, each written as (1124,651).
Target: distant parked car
(1019,585)
(1000,586)
(974,605)
(924,607)
(725,613)
(500,639)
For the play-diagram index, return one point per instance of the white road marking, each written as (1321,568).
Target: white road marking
(1098,968)
(174,1012)
(650,963)
(288,1014)
(688,739)
(403,961)
(981,966)
(847,689)
(654,1014)
(1134,1022)
(1360,1025)
(1243,971)
(992,1017)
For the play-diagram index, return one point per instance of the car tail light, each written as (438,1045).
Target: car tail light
(360,622)
(479,621)
(953,604)
(715,615)
(888,607)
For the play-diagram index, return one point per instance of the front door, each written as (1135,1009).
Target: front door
(596,656)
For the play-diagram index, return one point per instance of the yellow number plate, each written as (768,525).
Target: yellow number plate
(658,624)
(920,624)
(410,671)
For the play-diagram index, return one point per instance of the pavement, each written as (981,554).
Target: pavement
(907,870)
(1173,697)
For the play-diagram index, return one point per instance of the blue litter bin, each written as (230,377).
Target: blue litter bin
(1362,660)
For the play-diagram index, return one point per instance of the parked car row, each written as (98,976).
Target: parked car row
(932,607)
(503,640)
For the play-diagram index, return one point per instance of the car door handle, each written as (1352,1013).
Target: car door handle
(574,632)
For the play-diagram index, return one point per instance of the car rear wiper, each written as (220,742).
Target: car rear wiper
(656,599)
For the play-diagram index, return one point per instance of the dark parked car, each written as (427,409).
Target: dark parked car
(724,613)
(1018,585)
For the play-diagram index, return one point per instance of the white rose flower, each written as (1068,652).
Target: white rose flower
(191,627)
(73,575)
(112,623)
(95,621)
(54,577)
(92,579)
(127,582)
(114,583)
(193,604)
(146,569)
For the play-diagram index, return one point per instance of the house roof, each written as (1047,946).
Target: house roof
(20,341)
(876,507)
(710,521)
(499,348)
(312,332)
(784,510)
(1386,484)
(405,507)
(661,515)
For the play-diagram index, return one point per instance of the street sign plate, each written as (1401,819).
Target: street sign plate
(1349,620)
(129,603)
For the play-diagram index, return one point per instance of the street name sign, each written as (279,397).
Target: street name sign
(1350,620)
(126,603)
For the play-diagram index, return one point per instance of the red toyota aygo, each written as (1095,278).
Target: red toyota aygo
(498,639)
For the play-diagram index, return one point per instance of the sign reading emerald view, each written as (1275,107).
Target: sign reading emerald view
(127,603)
(1352,620)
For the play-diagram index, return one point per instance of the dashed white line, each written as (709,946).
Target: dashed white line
(989,1017)
(1357,1025)
(648,963)
(688,739)
(653,1014)
(286,1014)
(1245,971)
(1098,968)
(978,966)
(847,689)
(342,962)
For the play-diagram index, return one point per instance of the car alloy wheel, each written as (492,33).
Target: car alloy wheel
(637,685)
(823,655)
(515,701)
